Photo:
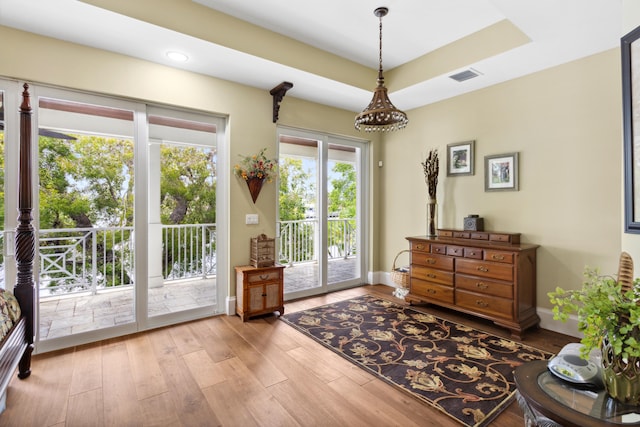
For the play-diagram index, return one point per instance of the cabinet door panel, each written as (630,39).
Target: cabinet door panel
(256,300)
(273,295)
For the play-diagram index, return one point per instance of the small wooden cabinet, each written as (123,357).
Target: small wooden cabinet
(259,290)
(485,274)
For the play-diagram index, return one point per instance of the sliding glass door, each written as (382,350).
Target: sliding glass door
(321,219)
(125,201)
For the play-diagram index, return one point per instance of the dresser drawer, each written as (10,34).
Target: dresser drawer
(496,237)
(420,247)
(492,270)
(474,253)
(263,276)
(432,260)
(494,306)
(432,291)
(439,249)
(432,275)
(455,250)
(498,256)
(461,234)
(484,286)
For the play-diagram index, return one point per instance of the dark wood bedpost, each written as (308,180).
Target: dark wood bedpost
(25,236)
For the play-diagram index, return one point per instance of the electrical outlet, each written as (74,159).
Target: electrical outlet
(251,219)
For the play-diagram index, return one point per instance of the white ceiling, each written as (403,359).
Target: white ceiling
(560,31)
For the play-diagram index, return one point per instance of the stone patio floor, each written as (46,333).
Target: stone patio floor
(66,315)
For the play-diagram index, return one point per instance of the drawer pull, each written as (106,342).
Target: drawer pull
(431,275)
(264,295)
(421,247)
(431,291)
(483,269)
(481,285)
(497,257)
(472,253)
(264,276)
(430,261)
(481,303)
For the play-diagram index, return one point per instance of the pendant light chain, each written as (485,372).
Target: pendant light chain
(380,115)
(380,51)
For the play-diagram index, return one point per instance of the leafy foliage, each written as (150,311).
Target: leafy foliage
(342,198)
(603,309)
(295,189)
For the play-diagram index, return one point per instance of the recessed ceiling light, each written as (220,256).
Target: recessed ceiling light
(177,56)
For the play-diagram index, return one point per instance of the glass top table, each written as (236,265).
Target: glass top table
(567,404)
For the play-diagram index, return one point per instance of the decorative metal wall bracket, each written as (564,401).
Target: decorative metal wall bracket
(278,93)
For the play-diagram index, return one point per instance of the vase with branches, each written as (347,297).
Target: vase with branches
(431,167)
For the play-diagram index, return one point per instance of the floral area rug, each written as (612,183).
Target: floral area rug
(463,372)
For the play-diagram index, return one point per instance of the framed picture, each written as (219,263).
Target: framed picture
(501,172)
(630,49)
(460,158)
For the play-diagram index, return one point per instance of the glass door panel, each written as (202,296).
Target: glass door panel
(298,214)
(86,193)
(182,215)
(343,200)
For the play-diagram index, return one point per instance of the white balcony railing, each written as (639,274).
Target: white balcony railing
(84,260)
(87,260)
(298,240)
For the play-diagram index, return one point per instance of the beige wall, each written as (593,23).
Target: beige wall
(565,123)
(43,60)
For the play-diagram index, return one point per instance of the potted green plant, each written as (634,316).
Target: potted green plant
(608,312)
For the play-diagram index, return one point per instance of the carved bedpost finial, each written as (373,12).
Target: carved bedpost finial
(278,93)
(26,99)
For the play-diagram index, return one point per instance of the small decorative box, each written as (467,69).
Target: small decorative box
(263,251)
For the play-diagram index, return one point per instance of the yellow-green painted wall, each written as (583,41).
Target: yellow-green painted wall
(565,124)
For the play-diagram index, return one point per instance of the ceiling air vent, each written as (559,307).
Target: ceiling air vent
(465,75)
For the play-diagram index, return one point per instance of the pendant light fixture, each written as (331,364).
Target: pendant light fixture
(381,115)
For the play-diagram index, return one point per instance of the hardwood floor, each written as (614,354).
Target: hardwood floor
(222,372)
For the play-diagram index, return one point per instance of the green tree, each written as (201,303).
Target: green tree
(188,185)
(295,188)
(187,196)
(342,198)
(87,182)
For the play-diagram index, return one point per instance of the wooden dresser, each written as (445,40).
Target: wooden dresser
(259,290)
(486,274)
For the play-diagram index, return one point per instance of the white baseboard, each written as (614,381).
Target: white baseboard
(570,327)
(231,306)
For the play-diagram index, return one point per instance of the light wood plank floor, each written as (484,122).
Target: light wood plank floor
(222,372)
